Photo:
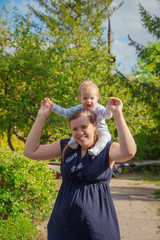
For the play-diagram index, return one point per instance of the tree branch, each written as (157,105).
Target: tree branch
(19,137)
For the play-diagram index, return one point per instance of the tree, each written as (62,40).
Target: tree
(147,71)
(66,15)
(24,66)
(64,18)
(145,88)
(151,52)
(32,68)
(151,23)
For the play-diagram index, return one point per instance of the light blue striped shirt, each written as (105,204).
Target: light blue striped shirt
(101,113)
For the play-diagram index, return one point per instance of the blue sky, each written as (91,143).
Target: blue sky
(124,21)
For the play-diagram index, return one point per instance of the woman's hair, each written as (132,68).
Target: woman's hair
(88,84)
(82,112)
(76,114)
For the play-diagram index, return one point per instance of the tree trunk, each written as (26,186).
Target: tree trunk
(9,139)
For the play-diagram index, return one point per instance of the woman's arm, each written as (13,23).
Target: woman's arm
(33,149)
(125,149)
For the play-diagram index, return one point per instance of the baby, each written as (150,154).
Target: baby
(89,95)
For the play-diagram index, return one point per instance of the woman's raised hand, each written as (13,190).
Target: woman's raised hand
(115,104)
(45,109)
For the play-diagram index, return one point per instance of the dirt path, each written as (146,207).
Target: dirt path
(137,209)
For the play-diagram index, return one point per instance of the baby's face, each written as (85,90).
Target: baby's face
(89,98)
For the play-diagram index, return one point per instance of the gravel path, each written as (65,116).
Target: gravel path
(137,208)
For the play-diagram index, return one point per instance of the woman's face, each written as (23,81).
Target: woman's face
(83,131)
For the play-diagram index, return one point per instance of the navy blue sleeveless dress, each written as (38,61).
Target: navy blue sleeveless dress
(84,209)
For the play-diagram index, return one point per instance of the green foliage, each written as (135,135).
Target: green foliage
(148,56)
(26,186)
(19,227)
(18,145)
(141,109)
(145,89)
(37,68)
(64,16)
(151,23)
(43,65)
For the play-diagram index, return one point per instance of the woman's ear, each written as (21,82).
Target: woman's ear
(95,126)
(95,134)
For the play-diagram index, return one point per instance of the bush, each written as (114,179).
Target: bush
(26,186)
(148,147)
(19,227)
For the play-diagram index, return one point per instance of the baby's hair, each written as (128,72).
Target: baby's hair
(88,84)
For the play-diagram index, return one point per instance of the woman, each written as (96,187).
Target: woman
(84,208)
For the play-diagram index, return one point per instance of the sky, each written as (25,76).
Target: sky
(124,21)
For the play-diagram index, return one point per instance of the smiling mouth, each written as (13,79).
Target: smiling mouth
(81,138)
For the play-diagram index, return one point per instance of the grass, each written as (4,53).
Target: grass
(158,214)
(149,174)
(158,229)
(157,194)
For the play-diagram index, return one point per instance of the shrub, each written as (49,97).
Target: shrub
(26,186)
(19,227)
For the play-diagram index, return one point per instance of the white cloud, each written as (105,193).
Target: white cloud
(22,6)
(124,54)
(11,4)
(36,6)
